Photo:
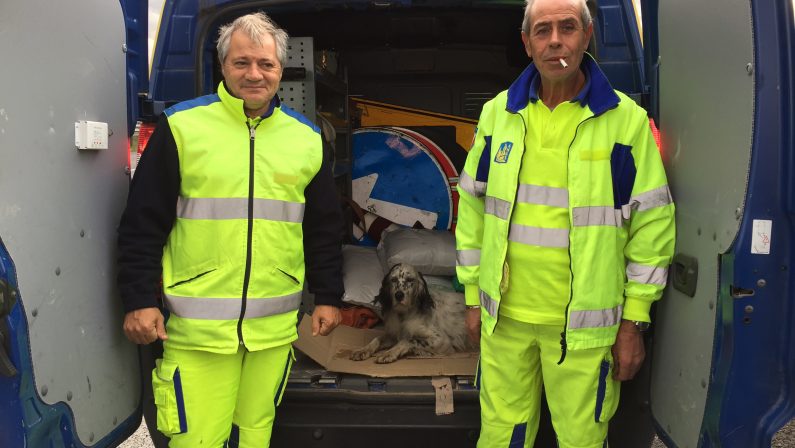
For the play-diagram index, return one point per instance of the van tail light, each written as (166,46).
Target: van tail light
(143,131)
(656,133)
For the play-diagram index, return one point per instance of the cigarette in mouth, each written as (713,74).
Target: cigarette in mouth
(563,63)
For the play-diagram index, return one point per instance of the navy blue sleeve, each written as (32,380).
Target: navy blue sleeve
(147,220)
(323,230)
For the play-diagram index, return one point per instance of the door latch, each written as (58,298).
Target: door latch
(8,298)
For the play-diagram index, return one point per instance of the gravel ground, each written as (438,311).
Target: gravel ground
(140,439)
(785,438)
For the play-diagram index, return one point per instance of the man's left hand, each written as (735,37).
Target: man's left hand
(628,351)
(324,319)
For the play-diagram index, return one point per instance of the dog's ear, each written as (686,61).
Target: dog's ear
(424,299)
(384,297)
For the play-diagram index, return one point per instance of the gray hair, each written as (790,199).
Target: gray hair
(585,15)
(256,25)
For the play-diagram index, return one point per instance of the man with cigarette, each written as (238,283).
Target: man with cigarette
(564,237)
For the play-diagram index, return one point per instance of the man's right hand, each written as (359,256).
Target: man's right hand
(145,326)
(473,325)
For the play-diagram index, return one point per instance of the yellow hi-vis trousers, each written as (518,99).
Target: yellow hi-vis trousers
(213,400)
(516,361)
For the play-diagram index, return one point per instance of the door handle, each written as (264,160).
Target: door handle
(8,298)
(685,274)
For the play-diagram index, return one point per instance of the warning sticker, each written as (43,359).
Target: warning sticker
(760,243)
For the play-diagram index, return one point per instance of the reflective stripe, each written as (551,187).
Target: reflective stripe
(488,303)
(228,308)
(539,236)
(497,207)
(536,194)
(596,216)
(470,257)
(658,197)
(237,208)
(654,198)
(648,275)
(595,318)
(471,186)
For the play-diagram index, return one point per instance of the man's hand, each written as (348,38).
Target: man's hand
(628,351)
(324,319)
(145,326)
(473,325)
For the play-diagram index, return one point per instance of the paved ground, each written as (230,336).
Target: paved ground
(783,439)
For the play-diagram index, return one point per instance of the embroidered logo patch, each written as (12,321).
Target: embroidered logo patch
(503,152)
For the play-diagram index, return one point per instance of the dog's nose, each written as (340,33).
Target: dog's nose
(399,296)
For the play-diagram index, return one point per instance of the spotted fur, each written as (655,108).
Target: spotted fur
(416,322)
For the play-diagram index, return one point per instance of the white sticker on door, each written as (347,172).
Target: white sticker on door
(760,243)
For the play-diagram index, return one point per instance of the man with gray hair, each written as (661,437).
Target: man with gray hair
(565,233)
(232,203)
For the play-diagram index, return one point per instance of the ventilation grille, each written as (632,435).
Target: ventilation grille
(474,101)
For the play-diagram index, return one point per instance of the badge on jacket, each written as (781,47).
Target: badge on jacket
(503,152)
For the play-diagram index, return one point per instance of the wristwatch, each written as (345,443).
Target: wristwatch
(641,326)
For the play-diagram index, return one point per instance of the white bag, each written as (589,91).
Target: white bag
(431,252)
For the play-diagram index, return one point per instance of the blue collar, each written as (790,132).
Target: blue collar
(581,97)
(597,93)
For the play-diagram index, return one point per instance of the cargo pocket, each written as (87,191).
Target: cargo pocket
(170,403)
(607,392)
(277,399)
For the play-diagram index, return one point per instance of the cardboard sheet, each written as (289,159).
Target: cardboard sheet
(333,353)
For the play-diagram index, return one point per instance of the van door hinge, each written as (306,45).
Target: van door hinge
(7,299)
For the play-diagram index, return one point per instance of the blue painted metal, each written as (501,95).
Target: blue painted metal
(136,18)
(25,420)
(754,365)
(618,46)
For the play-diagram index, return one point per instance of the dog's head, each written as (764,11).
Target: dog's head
(404,289)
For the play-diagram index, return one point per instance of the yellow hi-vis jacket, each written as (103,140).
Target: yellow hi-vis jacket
(621,214)
(233,264)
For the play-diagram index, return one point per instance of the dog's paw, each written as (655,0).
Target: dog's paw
(360,355)
(386,358)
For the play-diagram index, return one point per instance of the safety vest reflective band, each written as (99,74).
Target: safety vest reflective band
(538,236)
(535,194)
(497,207)
(658,197)
(487,303)
(596,216)
(237,208)
(595,318)
(229,308)
(468,257)
(471,186)
(649,275)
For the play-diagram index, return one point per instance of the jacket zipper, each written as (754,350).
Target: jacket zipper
(252,132)
(563,342)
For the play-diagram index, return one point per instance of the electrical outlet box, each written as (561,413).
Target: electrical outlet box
(91,135)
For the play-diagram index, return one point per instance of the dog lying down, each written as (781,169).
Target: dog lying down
(417,322)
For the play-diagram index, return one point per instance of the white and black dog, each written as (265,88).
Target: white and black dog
(416,321)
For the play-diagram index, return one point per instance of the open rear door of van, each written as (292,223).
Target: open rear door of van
(68,376)
(722,368)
